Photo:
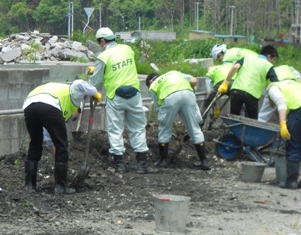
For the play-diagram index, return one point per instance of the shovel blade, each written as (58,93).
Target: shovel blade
(80,177)
(78,135)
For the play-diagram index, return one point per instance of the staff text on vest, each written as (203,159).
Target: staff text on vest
(122,64)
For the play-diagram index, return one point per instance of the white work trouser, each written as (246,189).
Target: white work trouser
(182,103)
(266,112)
(131,111)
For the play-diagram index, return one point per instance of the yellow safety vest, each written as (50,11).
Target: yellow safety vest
(251,77)
(220,73)
(284,72)
(60,92)
(169,83)
(120,69)
(291,91)
(234,54)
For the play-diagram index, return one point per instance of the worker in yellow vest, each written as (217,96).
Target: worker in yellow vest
(116,68)
(286,96)
(222,54)
(217,75)
(173,93)
(253,73)
(284,72)
(50,106)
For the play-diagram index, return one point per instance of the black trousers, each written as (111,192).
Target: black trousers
(39,115)
(239,98)
(211,95)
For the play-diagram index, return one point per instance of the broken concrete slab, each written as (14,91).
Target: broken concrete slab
(34,47)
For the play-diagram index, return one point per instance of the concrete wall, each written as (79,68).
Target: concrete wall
(17,83)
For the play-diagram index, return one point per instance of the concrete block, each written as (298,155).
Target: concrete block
(13,131)
(11,55)
(14,91)
(94,47)
(17,76)
(15,104)
(26,88)
(68,54)
(3,90)
(4,77)
(35,76)
(3,104)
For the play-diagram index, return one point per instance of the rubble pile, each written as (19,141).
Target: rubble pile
(32,47)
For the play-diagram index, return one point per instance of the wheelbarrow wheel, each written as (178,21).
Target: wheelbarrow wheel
(223,149)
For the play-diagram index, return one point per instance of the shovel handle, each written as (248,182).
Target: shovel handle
(217,96)
(93,104)
(79,122)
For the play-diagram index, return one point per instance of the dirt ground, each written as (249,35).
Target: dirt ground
(109,203)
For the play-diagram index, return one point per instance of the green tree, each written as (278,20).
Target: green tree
(127,13)
(20,14)
(50,16)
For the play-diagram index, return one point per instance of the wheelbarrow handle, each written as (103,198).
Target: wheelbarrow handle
(227,145)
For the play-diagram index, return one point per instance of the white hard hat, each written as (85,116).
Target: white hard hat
(105,33)
(217,49)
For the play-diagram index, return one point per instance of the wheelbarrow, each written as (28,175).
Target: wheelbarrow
(249,134)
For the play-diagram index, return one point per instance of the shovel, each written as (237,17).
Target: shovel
(85,169)
(217,96)
(77,135)
(220,109)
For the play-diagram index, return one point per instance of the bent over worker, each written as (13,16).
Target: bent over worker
(224,55)
(284,72)
(251,79)
(286,96)
(173,94)
(217,75)
(116,68)
(50,106)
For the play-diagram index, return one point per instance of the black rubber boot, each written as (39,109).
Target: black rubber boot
(31,169)
(201,150)
(142,166)
(118,164)
(292,169)
(163,153)
(61,179)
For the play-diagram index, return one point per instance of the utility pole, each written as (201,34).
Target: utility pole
(139,24)
(99,15)
(197,15)
(72,19)
(231,26)
(69,15)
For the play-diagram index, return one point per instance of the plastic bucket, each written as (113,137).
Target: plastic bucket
(171,213)
(280,168)
(252,171)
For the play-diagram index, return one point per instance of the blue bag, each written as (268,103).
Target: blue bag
(126,92)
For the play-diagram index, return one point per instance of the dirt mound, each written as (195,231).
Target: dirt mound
(110,203)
